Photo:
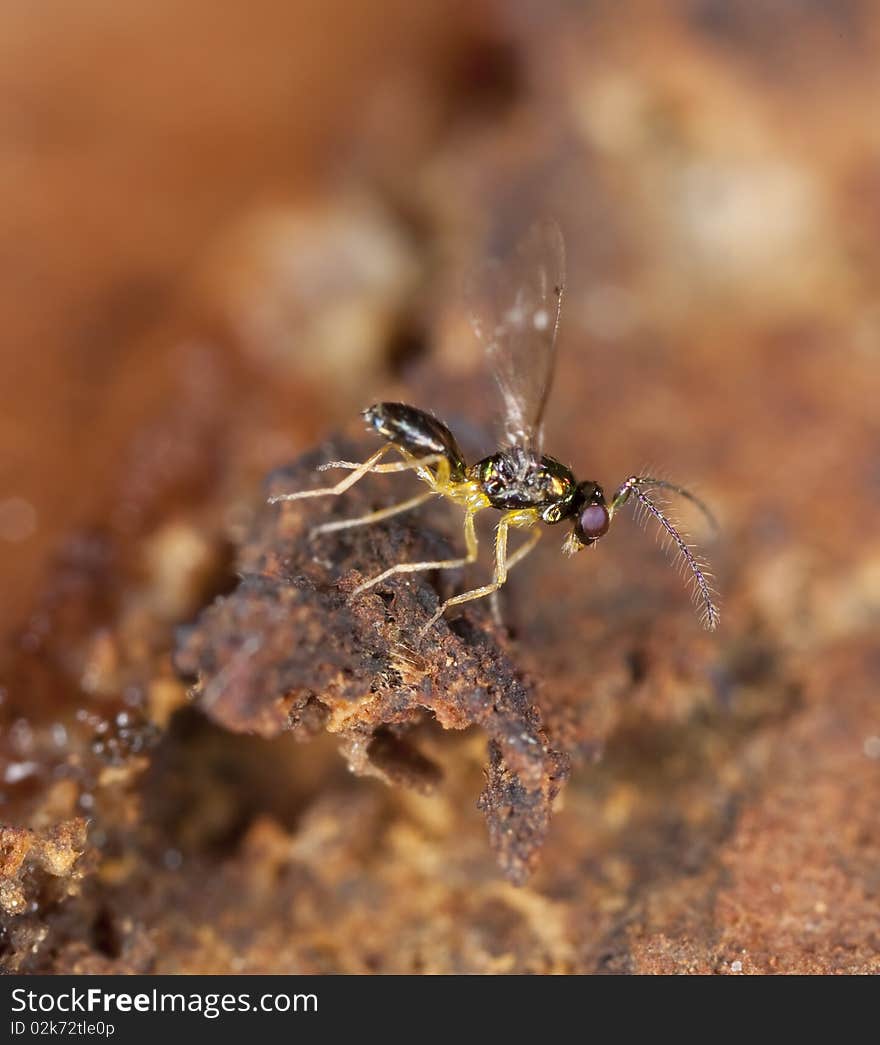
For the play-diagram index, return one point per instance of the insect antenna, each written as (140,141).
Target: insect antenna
(703,593)
(664,484)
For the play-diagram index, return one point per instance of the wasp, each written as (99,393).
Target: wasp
(515,306)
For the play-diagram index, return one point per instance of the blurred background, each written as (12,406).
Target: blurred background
(224,230)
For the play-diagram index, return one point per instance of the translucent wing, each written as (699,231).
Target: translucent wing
(515,303)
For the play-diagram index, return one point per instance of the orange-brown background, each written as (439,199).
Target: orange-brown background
(225,228)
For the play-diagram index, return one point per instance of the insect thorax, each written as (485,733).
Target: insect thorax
(515,478)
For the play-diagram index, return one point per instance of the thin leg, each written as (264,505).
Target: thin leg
(373,517)
(523,551)
(407,465)
(499,577)
(470,537)
(503,565)
(517,556)
(327,491)
(495,605)
(359,469)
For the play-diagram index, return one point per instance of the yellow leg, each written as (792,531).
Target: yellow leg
(372,517)
(500,576)
(359,470)
(470,537)
(409,463)
(333,491)
(517,556)
(523,551)
(503,565)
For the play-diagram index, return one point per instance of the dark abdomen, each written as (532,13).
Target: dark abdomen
(418,433)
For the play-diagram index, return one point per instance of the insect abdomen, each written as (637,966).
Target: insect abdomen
(418,433)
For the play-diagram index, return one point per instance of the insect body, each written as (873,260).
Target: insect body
(515,312)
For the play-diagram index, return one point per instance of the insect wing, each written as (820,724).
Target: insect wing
(514,303)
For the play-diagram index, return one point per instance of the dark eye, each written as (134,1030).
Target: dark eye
(594,521)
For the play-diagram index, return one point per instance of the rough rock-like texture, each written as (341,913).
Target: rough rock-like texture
(24,852)
(291,649)
(208,271)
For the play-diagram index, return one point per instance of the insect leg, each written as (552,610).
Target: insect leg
(373,517)
(517,556)
(500,576)
(470,536)
(357,474)
(408,464)
(524,550)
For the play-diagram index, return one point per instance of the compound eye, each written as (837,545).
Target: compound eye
(594,521)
